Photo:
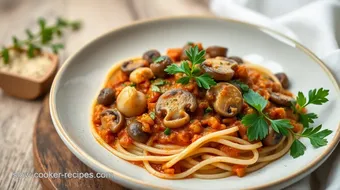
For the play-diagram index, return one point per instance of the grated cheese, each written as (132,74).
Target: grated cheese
(21,65)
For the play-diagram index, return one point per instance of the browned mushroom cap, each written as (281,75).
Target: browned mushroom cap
(282,77)
(158,68)
(219,69)
(174,104)
(228,99)
(281,99)
(239,60)
(214,51)
(112,119)
(131,65)
(151,55)
(273,138)
(106,96)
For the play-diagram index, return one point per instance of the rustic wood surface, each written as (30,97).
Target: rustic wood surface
(17,117)
(52,156)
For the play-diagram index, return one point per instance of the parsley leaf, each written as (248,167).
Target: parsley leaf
(159,82)
(317,97)
(305,119)
(243,87)
(281,126)
(159,59)
(155,88)
(167,131)
(255,100)
(195,57)
(205,81)
(316,137)
(208,110)
(152,115)
(297,149)
(257,126)
(5,55)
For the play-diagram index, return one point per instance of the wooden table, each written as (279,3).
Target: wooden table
(17,117)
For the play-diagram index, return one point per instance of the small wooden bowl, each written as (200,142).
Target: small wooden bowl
(26,87)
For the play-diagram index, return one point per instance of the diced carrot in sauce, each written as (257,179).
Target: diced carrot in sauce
(174,53)
(98,109)
(239,170)
(230,151)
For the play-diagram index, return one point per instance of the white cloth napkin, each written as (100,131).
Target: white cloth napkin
(315,24)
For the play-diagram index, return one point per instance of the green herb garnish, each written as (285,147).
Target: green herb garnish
(167,131)
(258,122)
(43,38)
(159,59)
(155,84)
(208,110)
(244,87)
(152,115)
(196,58)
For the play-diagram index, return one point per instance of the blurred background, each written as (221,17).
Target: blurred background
(321,33)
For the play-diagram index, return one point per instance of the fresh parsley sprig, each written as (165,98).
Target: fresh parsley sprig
(316,97)
(155,85)
(43,38)
(257,123)
(196,57)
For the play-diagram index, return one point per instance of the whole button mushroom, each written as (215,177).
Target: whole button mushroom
(174,104)
(106,96)
(135,131)
(151,55)
(158,67)
(131,65)
(219,69)
(112,119)
(273,138)
(228,99)
(141,75)
(131,102)
(214,51)
(281,99)
(282,77)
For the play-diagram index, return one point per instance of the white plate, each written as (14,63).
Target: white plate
(82,76)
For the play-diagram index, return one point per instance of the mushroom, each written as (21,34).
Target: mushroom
(228,99)
(131,102)
(106,96)
(141,75)
(151,55)
(281,99)
(174,104)
(273,138)
(219,69)
(135,131)
(131,65)
(282,77)
(214,51)
(158,68)
(239,60)
(112,119)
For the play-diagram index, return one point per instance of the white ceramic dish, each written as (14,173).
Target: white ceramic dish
(82,75)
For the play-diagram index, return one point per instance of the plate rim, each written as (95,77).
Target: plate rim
(77,150)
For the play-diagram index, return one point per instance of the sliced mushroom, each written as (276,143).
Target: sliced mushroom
(131,102)
(228,99)
(273,138)
(131,65)
(239,60)
(220,69)
(214,51)
(174,104)
(281,99)
(106,96)
(135,131)
(282,77)
(112,119)
(151,55)
(141,74)
(158,68)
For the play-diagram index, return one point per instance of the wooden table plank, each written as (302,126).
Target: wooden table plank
(17,117)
